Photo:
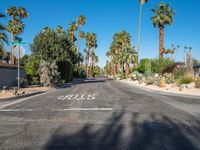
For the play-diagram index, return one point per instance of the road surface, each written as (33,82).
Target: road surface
(101,114)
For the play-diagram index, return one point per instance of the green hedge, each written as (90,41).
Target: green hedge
(66,70)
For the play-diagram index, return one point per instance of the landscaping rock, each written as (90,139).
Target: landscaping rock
(182,87)
(20,93)
(14,92)
(5,88)
(191,85)
(3,91)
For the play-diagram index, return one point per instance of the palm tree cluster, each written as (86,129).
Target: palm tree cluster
(121,54)
(76,34)
(91,43)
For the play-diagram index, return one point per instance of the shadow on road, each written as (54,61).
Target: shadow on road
(83,81)
(164,134)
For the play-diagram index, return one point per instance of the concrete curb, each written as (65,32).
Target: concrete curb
(163,92)
(21,96)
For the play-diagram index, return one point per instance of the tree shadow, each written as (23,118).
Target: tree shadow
(83,81)
(164,134)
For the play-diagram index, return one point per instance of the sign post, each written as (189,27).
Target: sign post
(19,52)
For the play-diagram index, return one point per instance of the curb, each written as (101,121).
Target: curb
(21,96)
(165,92)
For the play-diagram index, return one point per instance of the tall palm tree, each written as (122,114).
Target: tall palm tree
(3,37)
(81,20)
(94,46)
(163,15)
(71,31)
(142,2)
(15,25)
(88,38)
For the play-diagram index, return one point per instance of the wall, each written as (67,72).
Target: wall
(8,74)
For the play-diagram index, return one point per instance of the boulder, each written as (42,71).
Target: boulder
(5,88)
(182,87)
(191,85)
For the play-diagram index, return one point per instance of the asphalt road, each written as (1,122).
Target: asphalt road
(101,114)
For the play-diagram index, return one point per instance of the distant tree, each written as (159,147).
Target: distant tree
(163,15)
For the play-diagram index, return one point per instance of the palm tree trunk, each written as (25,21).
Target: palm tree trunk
(92,67)
(139,27)
(161,45)
(87,61)
(127,70)
(12,58)
(118,68)
(79,39)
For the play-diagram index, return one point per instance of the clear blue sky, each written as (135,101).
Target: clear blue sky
(105,17)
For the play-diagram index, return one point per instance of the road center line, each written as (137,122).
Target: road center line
(68,109)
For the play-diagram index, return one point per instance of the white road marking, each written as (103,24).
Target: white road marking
(81,98)
(76,97)
(69,109)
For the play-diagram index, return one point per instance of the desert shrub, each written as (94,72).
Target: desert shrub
(172,67)
(179,72)
(162,83)
(185,79)
(150,66)
(169,78)
(136,76)
(151,80)
(143,67)
(169,69)
(66,70)
(49,74)
(158,64)
(197,82)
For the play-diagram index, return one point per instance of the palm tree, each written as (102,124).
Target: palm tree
(139,21)
(71,31)
(15,25)
(94,46)
(128,56)
(60,30)
(163,15)
(3,37)
(88,38)
(81,22)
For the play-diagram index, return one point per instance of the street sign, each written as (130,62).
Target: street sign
(19,51)
(16,43)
